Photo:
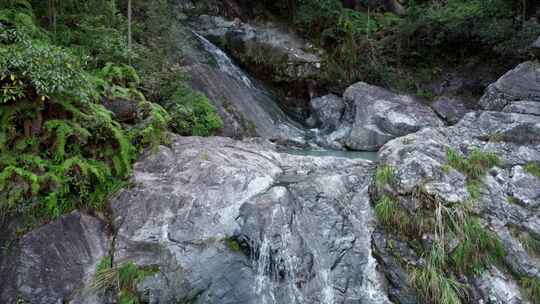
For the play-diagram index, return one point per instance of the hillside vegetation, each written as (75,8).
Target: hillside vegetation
(65,70)
(378,46)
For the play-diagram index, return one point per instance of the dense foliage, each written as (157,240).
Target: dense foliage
(60,148)
(378,46)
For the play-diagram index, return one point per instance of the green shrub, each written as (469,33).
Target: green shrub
(383,48)
(60,149)
(193,114)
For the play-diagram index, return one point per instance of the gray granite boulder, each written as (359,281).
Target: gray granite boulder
(507,203)
(520,84)
(374,116)
(450,109)
(326,112)
(56,262)
(237,222)
(523,107)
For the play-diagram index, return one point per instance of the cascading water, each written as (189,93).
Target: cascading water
(224,63)
(249,98)
(292,262)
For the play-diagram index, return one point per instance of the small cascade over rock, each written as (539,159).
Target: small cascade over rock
(245,106)
(238,222)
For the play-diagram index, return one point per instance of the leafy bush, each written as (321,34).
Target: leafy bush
(383,48)
(60,149)
(193,114)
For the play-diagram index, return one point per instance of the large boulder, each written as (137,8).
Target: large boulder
(55,263)
(374,116)
(450,109)
(237,222)
(536,47)
(326,112)
(520,84)
(505,201)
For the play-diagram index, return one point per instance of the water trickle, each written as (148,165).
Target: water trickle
(250,98)
(225,63)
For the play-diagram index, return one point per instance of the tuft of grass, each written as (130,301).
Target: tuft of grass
(477,249)
(474,188)
(386,210)
(531,287)
(530,243)
(476,165)
(384,176)
(533,168)
(122,279)
(432,283)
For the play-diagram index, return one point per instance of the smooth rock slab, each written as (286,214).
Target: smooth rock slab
(311,215)
(55,263)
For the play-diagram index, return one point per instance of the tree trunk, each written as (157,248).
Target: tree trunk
(129,27)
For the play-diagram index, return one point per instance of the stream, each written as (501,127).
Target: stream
(288,130)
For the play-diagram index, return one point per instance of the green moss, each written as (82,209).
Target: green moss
(533,168)
(512,200)
(233,245)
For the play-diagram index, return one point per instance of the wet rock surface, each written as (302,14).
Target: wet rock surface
(268,47)
(246,108)
(55,263)
(273,53)
(237,222)
(536,47)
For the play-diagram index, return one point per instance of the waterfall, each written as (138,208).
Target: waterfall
(228,85)
(225,63)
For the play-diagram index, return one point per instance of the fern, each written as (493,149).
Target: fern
(63,130)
